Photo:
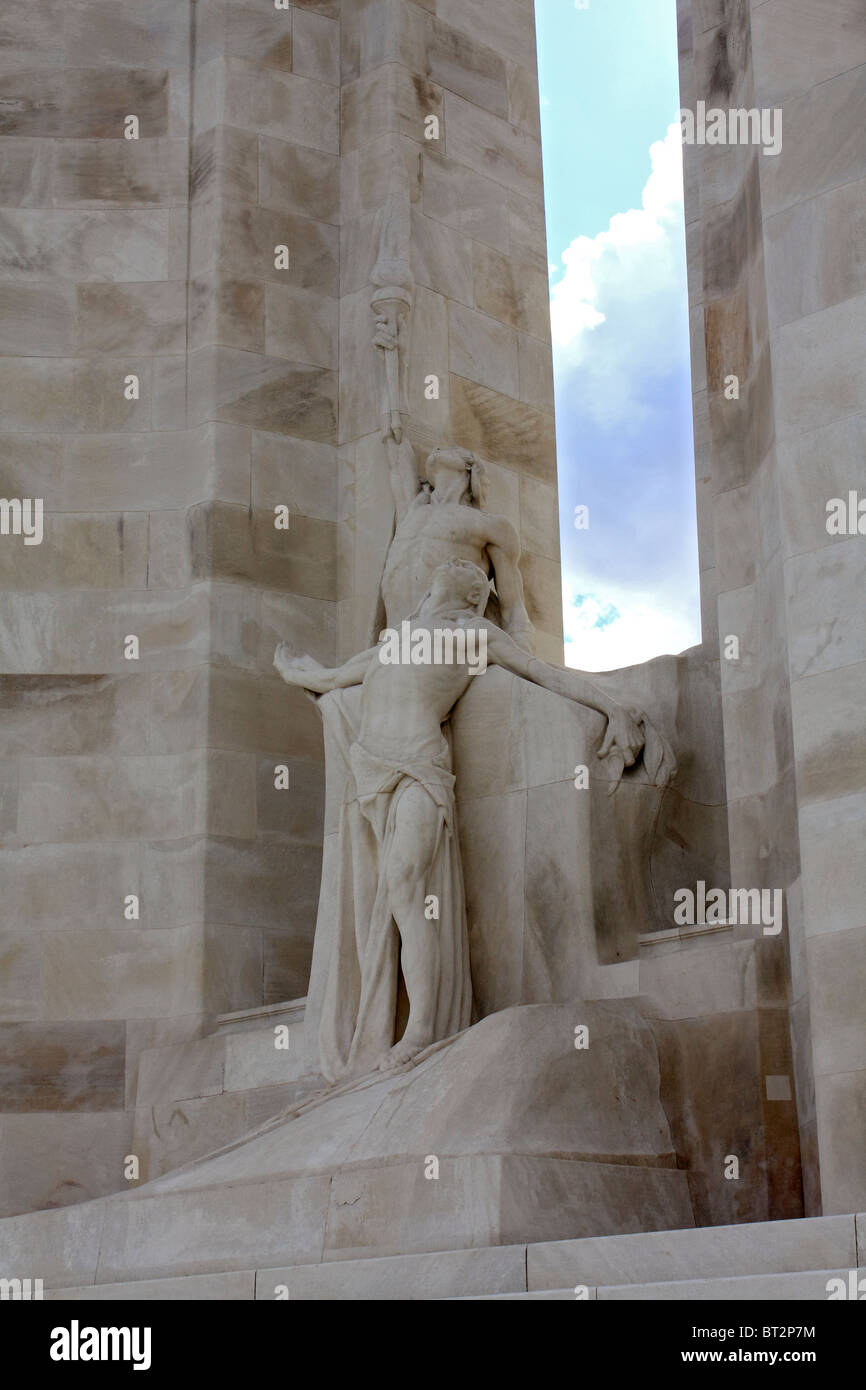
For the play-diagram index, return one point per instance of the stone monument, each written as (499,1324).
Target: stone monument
(382,993)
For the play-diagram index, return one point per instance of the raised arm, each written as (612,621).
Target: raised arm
(504,551)
(405,484)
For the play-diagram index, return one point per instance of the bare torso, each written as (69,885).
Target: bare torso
(404,706)
(430,534)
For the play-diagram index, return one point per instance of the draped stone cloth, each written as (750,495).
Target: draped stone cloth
(357,1022)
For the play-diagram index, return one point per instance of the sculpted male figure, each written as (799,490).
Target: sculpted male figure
(445,520)
(404,790)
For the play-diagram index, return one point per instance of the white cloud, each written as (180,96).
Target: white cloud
(611,310)
(621,356)
(647,623)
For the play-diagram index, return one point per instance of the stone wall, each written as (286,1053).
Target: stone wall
(779,299)
(155,776)
(156,257)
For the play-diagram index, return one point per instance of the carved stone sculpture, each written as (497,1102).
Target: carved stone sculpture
(443,519)
(398,834)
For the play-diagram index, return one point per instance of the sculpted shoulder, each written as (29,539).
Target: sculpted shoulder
(501,532)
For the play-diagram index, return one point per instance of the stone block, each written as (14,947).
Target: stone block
(127,319)
(56,715)
(227,311)
(241,240)
(389,100)
(316,46)
(508,28)
(786,1288)
(444,1274)
(815,584)
(502,429)
(32,39)
(193,1287)
(152,1236)
(841,1110)
(120,173)
(456,195)
(295,179)
(511,292)
(818,371)
(63,1161)
(246,882)
(62,394)
(287,105)
(84,246)
(97,33)
(131,797)
(25,172)
(820,145)
(483,350)
(536,373)
(825,236)
(301,325)
(829,738)
(37,320)
(268,393)
(837,967)
(493,148)
(50,887)
(225,164)
(100,551)
(146,973)
(833,870)
(441,258)
(51,1066)
(523,104)
(258,36)
(777,1247)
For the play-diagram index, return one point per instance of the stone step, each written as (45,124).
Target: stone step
(803,1286)
(266,1015)
(763,1261)
(241,1055)
(699,1253)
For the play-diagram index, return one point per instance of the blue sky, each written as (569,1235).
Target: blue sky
(616,247)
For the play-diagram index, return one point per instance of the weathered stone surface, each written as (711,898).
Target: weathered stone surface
(84,246)
(61,1160)
(249,389)
(298,180)
(483,350)
(498,427)
(61,1066)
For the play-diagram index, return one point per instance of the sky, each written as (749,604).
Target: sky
(619,317)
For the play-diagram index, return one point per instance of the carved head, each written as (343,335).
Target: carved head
(466,465)
(462,581)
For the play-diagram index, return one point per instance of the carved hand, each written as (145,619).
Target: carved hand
(301,670)
(385,337)
(622,737)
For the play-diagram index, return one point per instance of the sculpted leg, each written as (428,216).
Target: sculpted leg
(412,850)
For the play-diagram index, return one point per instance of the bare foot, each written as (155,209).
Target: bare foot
(401,1053)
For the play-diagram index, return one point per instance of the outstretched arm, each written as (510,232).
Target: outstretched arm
(622,737)
(310,675)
